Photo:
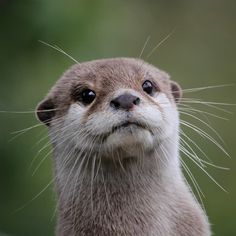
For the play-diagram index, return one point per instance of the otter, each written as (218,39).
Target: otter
(114,129)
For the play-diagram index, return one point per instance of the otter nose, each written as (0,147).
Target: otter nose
(125,101)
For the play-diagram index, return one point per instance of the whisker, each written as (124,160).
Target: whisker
(41,162)
(28,112)
(206,87)
(195,184)
(88,156)
(208,104)
(104,184)
(58,144)
(59,50)
(23,131)
(207,125)
(194,143)
(144,46)
(72,169)
(34,198)
(216,166)
(191,100)
(193,179)
(204,134)
(183,104)
(186,152)
(193,110)
(160,43)
(26,129)
(91,182)
(204,171)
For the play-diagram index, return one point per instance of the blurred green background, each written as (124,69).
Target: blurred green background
(201,52)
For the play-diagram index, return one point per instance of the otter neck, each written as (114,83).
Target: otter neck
(114,186)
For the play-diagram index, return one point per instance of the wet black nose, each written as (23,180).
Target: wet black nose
(125,101)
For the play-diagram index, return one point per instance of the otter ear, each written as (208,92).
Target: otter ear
(45,111)
(176,91)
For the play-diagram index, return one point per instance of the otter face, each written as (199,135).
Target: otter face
(112,105)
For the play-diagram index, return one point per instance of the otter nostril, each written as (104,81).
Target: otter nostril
(115,104)
(136,101)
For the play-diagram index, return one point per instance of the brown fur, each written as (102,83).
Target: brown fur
(141,196)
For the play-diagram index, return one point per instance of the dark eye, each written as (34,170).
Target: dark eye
(148,87)
(86,96)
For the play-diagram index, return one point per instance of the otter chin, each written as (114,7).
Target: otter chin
(114,129)
(132,139)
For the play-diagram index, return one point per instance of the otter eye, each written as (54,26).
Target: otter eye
(86,96)
(148,87)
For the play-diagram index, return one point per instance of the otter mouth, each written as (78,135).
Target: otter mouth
(127,124)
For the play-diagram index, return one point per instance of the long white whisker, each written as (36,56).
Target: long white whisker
(193,154)
(193,110)
(209,104)
(35,197)
(20,132)
(144,46)
(195,184)
(204,171)
(206,87)
(203,122)
(194,143)
(59,50)
(204,134)
(160,43)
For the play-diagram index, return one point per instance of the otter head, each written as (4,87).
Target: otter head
(111,106)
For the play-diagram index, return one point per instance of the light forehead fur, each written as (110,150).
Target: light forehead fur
(105,76)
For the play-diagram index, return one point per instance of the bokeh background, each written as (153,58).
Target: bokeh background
(200,52)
